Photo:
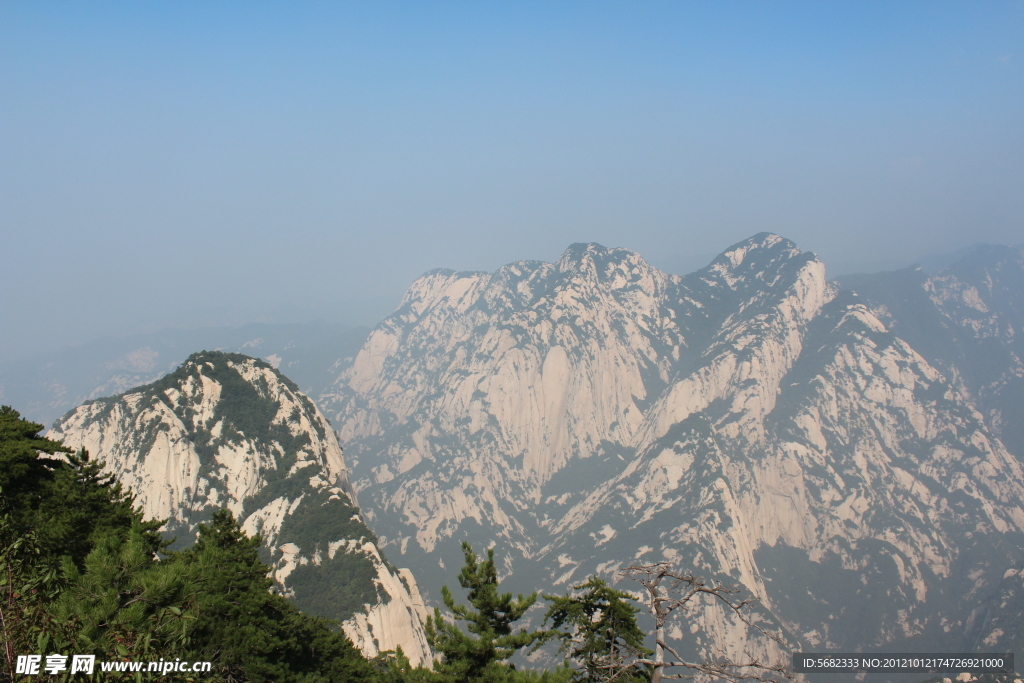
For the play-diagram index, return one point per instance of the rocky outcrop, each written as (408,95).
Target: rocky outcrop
(750,420)
(228,431)
(968,321)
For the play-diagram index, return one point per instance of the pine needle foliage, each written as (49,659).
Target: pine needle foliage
(79,573)
(28,582)
(125,603)
(250,633)
(597,629)
(481,653)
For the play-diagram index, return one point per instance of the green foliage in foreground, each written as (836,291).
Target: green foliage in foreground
(80,574)
(482,653)
(597,628)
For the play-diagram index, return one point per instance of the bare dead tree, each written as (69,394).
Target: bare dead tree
(667,591)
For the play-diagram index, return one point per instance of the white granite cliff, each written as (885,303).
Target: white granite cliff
(750,420)
(228,431)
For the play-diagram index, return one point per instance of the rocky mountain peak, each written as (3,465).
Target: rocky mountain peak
(988,279)
(243,424)
(967,320)
(600,263)
(755,262)
(746,420)
(226,430)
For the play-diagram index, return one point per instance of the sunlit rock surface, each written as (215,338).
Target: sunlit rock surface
(968,321)
(225,430)
(750,420)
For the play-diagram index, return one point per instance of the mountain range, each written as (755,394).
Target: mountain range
(752,420)
(849,451)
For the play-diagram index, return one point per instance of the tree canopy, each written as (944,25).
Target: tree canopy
(82,573)
(482,652)
(597,628)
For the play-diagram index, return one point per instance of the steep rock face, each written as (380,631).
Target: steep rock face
(968,321)
(995,624)
(225,430)
(747,419)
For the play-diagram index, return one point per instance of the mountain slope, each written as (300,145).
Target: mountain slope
(747,419)
(225,430)
(968,321)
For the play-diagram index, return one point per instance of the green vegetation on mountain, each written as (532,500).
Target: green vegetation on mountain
(338,586)
(246,409)
(80,574)
(219,403)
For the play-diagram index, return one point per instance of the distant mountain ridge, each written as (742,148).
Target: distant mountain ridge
(968,321)
(850,452)
(227,430)
(47,386)
(751,420)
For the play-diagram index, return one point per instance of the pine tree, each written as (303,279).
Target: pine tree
(79,573)
(28,582)
(480,654)
(65,501)
(21,468)
(79,566)
(125,602)
(598,630)
(250,633)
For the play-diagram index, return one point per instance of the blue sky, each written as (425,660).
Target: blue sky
(167,163)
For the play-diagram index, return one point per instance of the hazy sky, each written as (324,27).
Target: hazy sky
(162,162)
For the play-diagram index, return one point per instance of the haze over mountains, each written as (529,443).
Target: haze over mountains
(48,386)
(750,419)
(850,452)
